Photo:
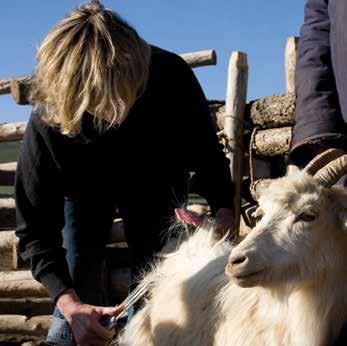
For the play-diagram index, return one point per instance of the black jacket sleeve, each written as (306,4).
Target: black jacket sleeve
(206,156)
(318,113)
(40,211)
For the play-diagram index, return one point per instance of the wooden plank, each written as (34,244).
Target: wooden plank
(233,122)
(19,328)
(290,63)
(26,306)
(12,131)
(7,173)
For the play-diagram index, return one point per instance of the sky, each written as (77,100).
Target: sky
(259,28)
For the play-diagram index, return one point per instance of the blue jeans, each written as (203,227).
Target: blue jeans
(85,234)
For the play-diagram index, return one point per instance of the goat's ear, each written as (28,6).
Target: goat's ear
(292,169)
(339,200)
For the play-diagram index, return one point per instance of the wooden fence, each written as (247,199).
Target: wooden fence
(256,136)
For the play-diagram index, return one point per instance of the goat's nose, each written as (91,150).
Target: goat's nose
(237,260)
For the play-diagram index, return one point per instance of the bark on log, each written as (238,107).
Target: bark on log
(7,173)
(7,213)
(7,250)
(233,122)
(201,58)
(12,131)
(290,63)
(20,284)
(272,142)
(273,111)
(19,328)
(26,306)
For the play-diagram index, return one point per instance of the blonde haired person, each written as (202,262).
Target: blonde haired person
(116,124)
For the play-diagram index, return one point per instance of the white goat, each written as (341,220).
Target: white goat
(284,284)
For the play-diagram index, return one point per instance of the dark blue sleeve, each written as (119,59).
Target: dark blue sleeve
(318,113)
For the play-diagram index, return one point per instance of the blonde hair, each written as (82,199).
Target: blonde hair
(91,61)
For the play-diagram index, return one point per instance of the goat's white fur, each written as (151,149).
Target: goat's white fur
(298,297)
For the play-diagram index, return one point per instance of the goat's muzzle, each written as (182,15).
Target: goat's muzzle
(242,271)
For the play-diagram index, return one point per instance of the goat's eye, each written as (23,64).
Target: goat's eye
(307,217)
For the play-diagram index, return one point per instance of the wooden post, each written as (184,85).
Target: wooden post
(290,63)
(233,122)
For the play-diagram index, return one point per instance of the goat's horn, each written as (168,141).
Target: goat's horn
(322,160)
(331,173)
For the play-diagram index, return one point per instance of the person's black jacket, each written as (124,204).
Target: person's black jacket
(142,165)
(321,76)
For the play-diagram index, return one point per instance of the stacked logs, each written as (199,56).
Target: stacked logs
(25,307)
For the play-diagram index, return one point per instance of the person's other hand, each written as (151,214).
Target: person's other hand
(85,323)
(84,319)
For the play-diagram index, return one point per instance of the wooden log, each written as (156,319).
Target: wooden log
(20,91)
(233,122)
(201,58)
(290,63)
(273,111)
(26,306)
(7,213)
(5,84)
(20,284)
(7,173)
(19,328)
(12,131)
(7,250)
(272,142)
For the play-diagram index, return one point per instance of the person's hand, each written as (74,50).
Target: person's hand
(84,319)
(225,223)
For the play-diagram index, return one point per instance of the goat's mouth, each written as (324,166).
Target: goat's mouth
(245,278)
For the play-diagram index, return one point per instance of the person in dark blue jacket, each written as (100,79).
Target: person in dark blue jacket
(321,87)
(321,80)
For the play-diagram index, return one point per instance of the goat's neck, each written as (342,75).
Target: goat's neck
(316,310)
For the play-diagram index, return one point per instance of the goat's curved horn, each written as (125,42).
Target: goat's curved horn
(332,172)
(322,160)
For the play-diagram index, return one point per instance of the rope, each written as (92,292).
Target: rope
(251,163)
